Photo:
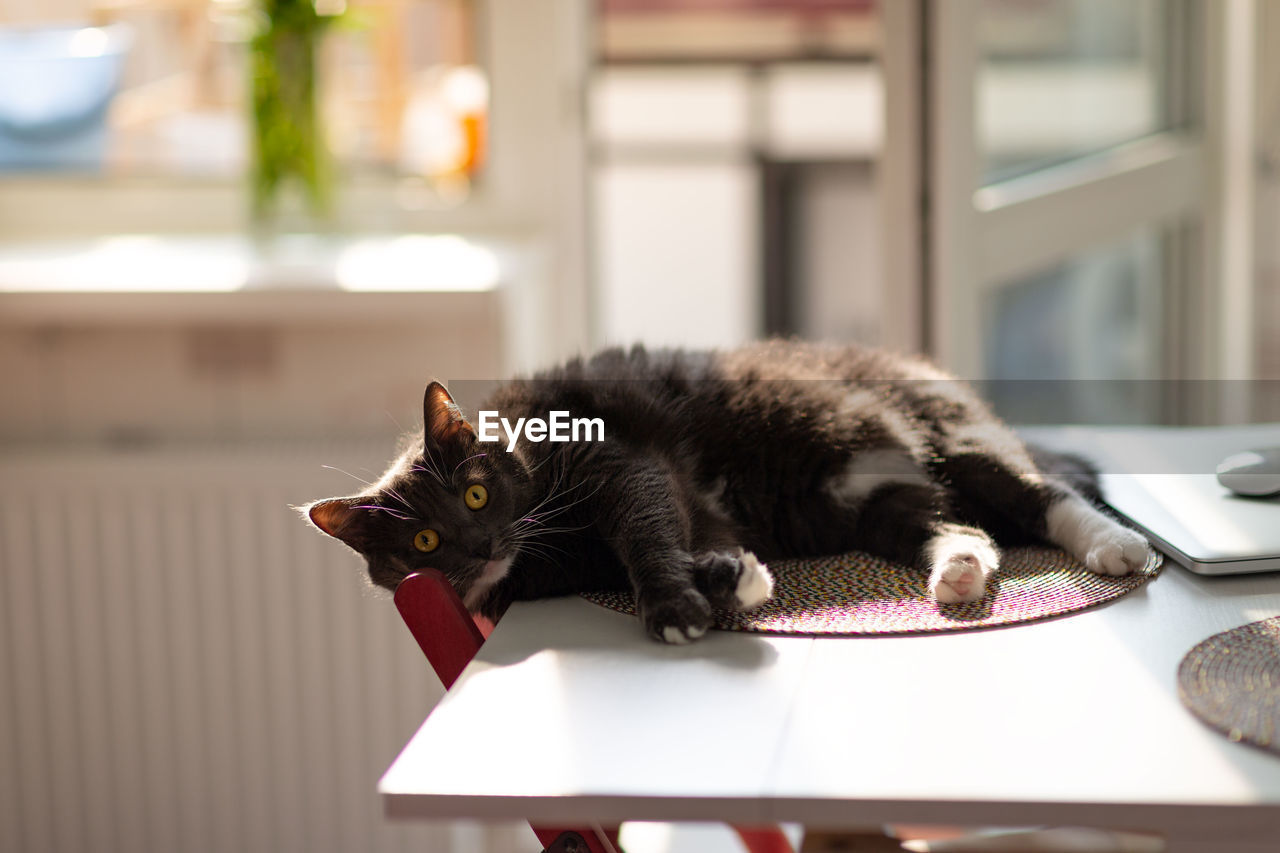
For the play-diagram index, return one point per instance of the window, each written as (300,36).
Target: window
(137,95)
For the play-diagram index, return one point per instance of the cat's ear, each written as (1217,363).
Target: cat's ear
(442,420)
(342,518)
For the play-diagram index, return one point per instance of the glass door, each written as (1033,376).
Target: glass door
(1072,201)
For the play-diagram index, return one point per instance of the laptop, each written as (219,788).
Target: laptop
(1162,479)
(1198,523)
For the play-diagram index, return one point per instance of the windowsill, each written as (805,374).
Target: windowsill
(123,279)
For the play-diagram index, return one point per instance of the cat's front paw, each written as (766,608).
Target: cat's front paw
(960,568)
(1119,551)
(677,619)
(733,581)
(755,583)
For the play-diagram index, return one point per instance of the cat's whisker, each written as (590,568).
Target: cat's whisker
(558,510)
(545,460)
(543,546)
(532,521)
(359,480)
(430,472)
(543,550)
(550,553)
(555,482)
(542,531)
(393,493)
(389,511)
(551,494)
(468,459)
(435,468)
(540,536)
(550,457)
(554,492)
(559,530)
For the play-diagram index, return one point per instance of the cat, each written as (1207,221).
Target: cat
(711,464)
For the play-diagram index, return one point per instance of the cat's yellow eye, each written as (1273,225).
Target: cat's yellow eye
(476,496)
(426,540)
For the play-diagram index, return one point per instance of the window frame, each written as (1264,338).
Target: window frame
(1187,178)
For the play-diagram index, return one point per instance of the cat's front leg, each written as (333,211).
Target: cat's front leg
(641,514)
(733,579)
(678,615)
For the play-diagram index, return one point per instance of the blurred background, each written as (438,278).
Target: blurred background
(238,236)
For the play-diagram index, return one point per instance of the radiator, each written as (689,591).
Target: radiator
(185,666)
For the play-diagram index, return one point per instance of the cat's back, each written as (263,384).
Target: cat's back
(636,391)
(767,386)
(787,360)
(775,359)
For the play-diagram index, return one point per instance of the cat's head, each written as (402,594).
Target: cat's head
(449,503)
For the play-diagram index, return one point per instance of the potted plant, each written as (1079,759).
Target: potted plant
(287,132)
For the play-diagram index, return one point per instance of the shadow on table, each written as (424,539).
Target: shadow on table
(573,624)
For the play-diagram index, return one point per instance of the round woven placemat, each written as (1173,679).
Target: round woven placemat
(859,594)
(1231,681)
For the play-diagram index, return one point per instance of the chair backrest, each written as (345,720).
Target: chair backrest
(439,621)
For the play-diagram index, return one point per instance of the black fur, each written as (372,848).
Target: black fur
(704,454)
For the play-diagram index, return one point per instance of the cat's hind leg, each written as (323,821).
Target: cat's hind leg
(1104,545)
(1011,494)
(912,523)
(960,560)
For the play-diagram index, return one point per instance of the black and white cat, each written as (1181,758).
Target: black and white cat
(711,464)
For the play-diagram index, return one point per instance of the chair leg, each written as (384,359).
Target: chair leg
(577,840)
(855,841)
(764,839)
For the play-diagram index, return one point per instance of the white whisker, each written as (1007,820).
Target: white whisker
(348,473)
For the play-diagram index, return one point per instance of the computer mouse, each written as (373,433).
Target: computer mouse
(1254,473)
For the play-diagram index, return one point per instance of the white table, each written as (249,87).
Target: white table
(569,714)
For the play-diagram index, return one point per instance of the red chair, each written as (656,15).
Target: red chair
(450,638)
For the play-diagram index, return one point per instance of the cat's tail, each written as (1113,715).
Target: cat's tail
(1070,468)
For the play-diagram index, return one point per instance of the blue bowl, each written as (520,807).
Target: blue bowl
(55,87)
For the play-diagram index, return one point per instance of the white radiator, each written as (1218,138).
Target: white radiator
(185,666)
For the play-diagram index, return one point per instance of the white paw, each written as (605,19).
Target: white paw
(755,584)
(1118,551)
(1105,546)
(677,637)
(960,567)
